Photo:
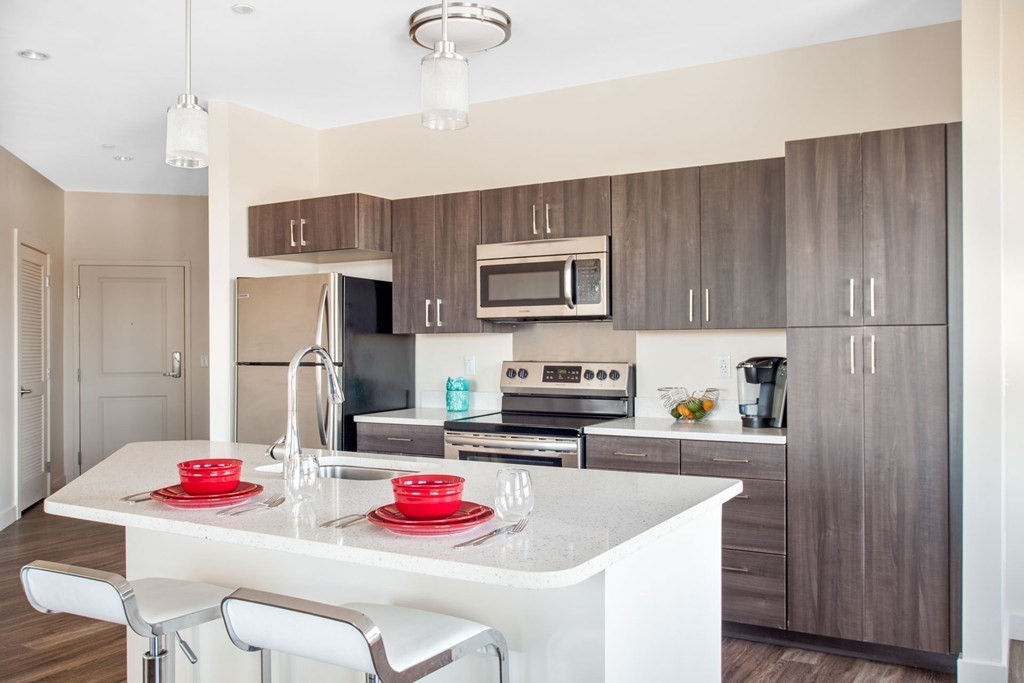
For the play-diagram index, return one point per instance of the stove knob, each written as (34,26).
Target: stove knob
(523,374)
(614,375)
(511,373)
(588,374)
(602,375)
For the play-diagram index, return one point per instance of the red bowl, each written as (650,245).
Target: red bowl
(209,476)
(428,496)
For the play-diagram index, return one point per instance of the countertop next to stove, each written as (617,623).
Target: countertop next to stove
(667,428)
(428,417)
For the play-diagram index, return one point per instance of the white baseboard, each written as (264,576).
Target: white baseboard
(1016,626)
(8,517)
(981,672)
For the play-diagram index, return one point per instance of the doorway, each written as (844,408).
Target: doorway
(132,357)
(33,376)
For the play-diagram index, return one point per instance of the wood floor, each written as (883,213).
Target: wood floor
(60,648)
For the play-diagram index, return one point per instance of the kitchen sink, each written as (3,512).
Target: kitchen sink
(336,470)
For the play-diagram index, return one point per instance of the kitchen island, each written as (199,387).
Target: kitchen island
(616,578)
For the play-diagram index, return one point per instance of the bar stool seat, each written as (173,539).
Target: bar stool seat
(155,608)
(395,644)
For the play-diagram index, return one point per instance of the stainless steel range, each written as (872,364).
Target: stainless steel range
(544,408)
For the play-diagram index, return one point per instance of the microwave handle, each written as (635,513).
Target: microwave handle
(568,290)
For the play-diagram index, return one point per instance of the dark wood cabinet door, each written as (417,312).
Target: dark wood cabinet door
(403,439)
(633,454)
(825,480)
(577,208)
(347,221)
(906,568)
(743,244)
(905,226)
(754,588)
(457,232)
(511,214)
(656,250)
(274,229)
(413,265)
(824,236)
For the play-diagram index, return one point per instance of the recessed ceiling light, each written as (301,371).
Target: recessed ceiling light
(243,9)
(122,158)
(108,145)
(33,54)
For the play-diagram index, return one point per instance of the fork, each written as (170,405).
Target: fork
(271,502)
(351,519)
(510,529)
(136,497)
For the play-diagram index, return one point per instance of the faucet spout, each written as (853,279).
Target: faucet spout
(292,444)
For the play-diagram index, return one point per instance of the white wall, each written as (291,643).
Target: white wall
(32,212)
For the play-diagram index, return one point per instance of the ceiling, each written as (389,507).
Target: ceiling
(116,65)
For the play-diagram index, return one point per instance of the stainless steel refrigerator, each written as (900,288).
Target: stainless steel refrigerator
(348,316)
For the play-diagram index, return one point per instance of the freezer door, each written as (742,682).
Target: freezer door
(276,316)
(261,406)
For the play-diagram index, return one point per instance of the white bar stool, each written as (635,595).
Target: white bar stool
(154,608)
(393,644)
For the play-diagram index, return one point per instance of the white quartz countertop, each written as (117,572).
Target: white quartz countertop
(430,417)
(584,521)
(667,428)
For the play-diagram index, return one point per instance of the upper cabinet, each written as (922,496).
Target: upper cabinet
(700,247)
(357,223)
(866,228)
(434,263)
(571,208)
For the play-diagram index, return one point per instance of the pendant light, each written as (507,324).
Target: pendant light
(445,83)
(187,122)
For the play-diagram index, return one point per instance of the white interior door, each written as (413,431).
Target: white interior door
(131,356)
(33,370)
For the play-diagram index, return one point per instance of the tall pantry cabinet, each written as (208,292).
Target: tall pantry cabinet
(868,436)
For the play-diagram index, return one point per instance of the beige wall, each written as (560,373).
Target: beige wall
(120,228)
(31,212)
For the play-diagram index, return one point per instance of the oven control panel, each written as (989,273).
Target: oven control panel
(596,378)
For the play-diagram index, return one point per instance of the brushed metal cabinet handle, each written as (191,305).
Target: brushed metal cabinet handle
(439,323)
(426,311)
(851,297)
(707,305)
(302,232)
(737,460)
(742,496)
(398,438)
(547,218)
(630,455)
(741,570)
(691,305)
(872,354)
(853,364)
(871,289)
(534,211)
(291,231)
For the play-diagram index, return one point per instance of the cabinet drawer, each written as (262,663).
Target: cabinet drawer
(756,519)
(374,437)
(736,460)
(754,588)
(632,454)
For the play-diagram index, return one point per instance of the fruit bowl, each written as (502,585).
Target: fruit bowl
(690,406)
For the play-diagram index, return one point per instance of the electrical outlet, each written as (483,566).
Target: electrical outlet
(469,368)
(723,364)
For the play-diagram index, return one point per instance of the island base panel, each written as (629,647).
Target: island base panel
(651,616)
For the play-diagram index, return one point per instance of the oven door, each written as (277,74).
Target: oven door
(509,449)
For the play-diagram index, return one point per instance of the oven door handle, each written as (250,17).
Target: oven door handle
(568,288)
(512,444)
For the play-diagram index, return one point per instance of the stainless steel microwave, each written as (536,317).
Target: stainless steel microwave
(552,279)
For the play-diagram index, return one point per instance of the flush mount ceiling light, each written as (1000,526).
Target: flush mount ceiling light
(187,141)
(122,157)
(33,54)
(444,72)
(243,9)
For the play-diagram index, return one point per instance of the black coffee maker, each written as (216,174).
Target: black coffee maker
(762,391)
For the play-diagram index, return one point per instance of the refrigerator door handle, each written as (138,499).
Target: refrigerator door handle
(321,316)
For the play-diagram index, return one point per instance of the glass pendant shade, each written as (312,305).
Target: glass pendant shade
(187,140)
(445,88)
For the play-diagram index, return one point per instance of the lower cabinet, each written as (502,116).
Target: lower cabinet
(400,439)
(753,523)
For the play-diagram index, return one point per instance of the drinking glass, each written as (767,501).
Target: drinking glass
(513,499)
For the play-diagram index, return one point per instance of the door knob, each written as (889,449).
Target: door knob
(175,365)
(25,391)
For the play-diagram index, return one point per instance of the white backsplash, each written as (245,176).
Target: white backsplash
(440,356)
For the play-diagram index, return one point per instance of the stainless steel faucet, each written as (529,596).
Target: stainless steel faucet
(302,472)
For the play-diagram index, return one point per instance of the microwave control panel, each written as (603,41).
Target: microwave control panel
(588,281)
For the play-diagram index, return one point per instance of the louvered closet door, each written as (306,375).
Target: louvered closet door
(33,418)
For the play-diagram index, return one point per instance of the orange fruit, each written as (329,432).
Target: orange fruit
(708,404)
(685,412)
